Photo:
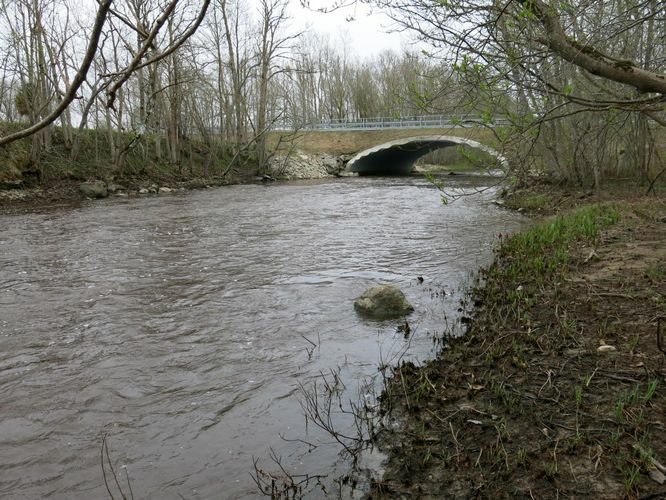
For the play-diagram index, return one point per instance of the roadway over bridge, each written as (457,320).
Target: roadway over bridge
(424,121)
(388,141)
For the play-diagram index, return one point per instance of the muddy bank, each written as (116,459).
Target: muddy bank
(559,386)
(68,192)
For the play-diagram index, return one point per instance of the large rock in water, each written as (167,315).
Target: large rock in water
(95,189)
(383,302)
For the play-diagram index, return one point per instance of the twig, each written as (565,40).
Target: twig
(587,384)
(502,337)
(404,388)
(478,459)
(500,442)
(296,440)
(548,381)
(284,484)
(310,341)
(129,484)
(104,452)
(455,441)
(619,377)
(310,350)
(106,483)
(613,294)
(115,476)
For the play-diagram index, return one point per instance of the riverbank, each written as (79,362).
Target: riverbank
(124,164)
(68,191)
(19,193)
(559,386)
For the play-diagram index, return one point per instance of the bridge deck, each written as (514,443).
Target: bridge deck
(426,121)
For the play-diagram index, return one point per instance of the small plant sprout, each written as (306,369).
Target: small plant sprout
(651,389)
(578,395)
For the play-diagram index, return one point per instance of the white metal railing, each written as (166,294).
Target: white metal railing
(426,121)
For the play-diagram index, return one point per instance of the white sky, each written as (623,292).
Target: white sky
(365,32)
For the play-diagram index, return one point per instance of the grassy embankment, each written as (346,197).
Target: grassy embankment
(59,169)
(559,386)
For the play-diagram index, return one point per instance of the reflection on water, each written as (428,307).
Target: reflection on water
(175,325)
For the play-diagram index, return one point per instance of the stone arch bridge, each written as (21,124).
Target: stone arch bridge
(387,151)
(397,157)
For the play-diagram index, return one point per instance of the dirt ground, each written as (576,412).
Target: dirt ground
(558,393)
(66,193)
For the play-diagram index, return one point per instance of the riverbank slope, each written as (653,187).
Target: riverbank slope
(68,172)
(559,386)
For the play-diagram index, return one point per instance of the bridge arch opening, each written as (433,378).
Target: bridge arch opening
(398,157)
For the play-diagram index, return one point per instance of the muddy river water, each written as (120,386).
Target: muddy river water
(183,326)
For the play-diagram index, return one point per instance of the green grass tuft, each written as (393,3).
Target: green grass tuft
(544,250)
(533,202)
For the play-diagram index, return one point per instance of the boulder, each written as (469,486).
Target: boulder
(164,189)
(383,302)
(331,164)
(300,165)
(94,189)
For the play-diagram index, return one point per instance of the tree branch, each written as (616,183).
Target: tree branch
(147,43)
(588,58)
(79,78)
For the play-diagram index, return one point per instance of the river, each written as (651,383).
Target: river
(183,326)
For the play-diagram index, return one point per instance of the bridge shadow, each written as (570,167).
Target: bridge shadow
(398,157)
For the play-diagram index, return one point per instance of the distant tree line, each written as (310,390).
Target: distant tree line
(582,81)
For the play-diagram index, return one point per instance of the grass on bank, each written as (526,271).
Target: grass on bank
(542,252)
(90,156)
(529,201)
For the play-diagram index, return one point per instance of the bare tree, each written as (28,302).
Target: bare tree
(70,94)
(238,62)
(273,47)
(117,78)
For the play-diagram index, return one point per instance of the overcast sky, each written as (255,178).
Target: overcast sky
(366,33)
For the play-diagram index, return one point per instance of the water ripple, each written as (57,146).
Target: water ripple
(178,325)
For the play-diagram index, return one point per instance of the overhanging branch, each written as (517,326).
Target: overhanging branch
(79,78)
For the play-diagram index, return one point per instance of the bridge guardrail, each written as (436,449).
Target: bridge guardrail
(426,121)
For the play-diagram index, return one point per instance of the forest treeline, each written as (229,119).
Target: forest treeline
(200,84)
